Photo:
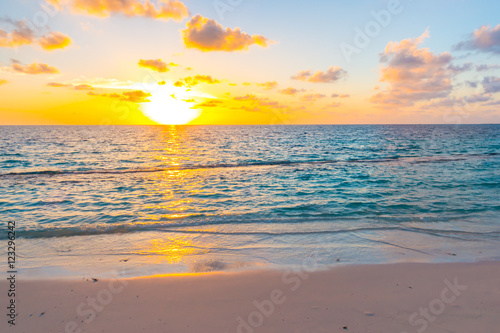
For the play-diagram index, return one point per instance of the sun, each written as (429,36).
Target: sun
(170,105)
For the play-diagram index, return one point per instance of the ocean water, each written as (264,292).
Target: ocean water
(93,200)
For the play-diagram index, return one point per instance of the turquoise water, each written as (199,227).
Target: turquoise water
(160,199)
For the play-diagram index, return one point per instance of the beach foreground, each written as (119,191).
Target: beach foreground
(406,297)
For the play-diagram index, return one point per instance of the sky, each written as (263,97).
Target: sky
(219,62)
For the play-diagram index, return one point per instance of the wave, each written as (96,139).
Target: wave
(88,230)
(404,159)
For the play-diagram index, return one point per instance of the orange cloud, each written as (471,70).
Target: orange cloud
(208,104)
(3,81)
(268,85)
(83,87)
(68,85)
(207,35)
(332,105)
(34,68)
(332,74)
(156,65)
(136,96)
(166,9)
(249,108)
(22,34)
(337,95)
(257,103)
(58,85)
(53,41)
(195,80)
(290,91)
(312,97)
(249,97)
(414,74)
(485,39)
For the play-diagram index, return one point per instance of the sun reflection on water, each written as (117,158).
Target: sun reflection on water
(171,250)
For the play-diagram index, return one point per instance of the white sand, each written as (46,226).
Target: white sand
(367,298)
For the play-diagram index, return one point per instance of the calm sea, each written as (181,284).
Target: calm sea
(161,199)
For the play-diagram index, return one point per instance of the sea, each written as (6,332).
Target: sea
(102,201)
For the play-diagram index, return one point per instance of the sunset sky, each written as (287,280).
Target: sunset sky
(249,62)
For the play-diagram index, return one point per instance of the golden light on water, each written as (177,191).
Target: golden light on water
(171,250)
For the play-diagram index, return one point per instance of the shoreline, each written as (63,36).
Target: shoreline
(395,297)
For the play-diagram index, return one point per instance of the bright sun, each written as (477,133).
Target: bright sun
(170,106)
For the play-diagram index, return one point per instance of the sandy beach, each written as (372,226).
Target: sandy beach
(406,297)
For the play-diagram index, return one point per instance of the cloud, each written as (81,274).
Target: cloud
(136,96)
(335,95)
(271,103)
(249,97)
(447,102)
(53,41)
(69,85)
(457,69)
(477,98)
(156,65)
(491,84)
(494,103)
(100,82)
(453,102)
(208,104)
(207,35)
(112,95)
(22,34)
(332,74)
(164,9)
(268,85)
(483,67)
(3,81)
(332,105)
(83,87)
(250,108)
(471,84)
(312,97)
(58,85)
(484,39)
(414,74)
(290,91)
(191,81)
(34,68)
(257,104)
